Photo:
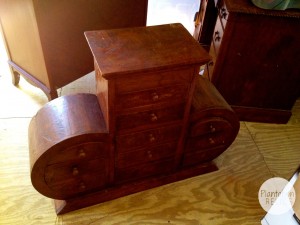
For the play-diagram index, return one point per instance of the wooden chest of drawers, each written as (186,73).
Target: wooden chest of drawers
(255,59)
(153,120)
(149,95)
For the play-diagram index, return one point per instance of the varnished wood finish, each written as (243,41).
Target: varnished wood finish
(73,134)
(213,125)
(143,50)
(45,38)
(174,125)
(256,68)
(227,196)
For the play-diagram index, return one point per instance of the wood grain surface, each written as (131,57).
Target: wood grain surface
(225,197)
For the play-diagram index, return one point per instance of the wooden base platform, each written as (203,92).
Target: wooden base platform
(110,193)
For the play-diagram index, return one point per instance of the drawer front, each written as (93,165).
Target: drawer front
(143,171)
(153,80)
(85,183)
(213,125)
(147,119)
(146,155)
(60,172)
(209,134)
(167,94)
(147,138)
(206,141)
(217,37)
(84,151)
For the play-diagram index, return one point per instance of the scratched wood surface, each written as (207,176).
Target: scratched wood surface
(227,196)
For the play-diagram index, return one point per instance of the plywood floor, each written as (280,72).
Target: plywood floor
(227,196)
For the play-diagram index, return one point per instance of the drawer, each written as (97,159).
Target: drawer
(210,126)
(150,137)
(146,81)
(70,187)
(217,36)
(223,13)
(208,134)
(150,118)
(204,142)
(84,151)
(61,172)
(198,157)
(145,155)
(144,171)
(167,94)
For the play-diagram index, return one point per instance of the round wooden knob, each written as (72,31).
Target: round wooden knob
(75,171)
(155,96)
(151,138)
(81,153)
(149,154)
(82,186)
(211,140)
(212,129)
(153,117)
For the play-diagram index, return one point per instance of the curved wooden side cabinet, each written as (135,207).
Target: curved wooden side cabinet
(154,120)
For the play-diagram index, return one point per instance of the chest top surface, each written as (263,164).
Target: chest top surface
(141,49)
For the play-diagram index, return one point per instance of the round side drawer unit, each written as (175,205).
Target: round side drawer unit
(63,173)
(69,147)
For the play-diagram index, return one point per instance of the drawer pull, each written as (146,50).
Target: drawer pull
(152,138)
(81,153)
(155,96)
(211,141)
(82,186)
(212,129)
(149,154)
(75,171)
(153,117)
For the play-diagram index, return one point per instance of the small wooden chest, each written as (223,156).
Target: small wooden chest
(154,120)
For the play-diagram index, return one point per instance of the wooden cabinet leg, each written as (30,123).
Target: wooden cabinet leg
(51,95)
(17,71)
(15,78)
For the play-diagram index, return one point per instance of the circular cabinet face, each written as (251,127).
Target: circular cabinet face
(62,173)
(208,138)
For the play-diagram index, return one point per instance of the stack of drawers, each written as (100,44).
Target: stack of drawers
(79,169)
(212,126)
(147,96)
(149,119)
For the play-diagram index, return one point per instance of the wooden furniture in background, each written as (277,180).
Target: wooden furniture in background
(255,59)
(153,121)
(45,39)
(207,20)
